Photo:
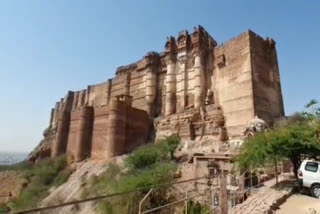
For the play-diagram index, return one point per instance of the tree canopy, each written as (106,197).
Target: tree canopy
(295,139)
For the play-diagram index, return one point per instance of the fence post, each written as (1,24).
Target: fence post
(186,203)
(251,183)
(223,194)
(144,198)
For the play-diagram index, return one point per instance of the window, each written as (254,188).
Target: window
(212,172)
(311,166)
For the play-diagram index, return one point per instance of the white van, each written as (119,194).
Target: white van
(309,176)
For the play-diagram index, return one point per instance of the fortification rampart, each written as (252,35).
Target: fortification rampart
(193,74)
(101,132)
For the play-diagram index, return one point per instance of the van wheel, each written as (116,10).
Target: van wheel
(315,190)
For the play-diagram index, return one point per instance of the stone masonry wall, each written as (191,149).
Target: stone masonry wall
(240,77)
(80,132)
(232,78)
(137,128)
(266,79)
(101,132)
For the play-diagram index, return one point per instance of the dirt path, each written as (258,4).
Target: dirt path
(300,204)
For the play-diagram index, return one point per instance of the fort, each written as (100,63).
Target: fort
(208,94)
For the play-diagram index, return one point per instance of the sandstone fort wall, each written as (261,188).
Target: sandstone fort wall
(233,83)
(195,88)
(266,79)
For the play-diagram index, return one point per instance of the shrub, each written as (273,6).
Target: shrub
(105,183)
(143,157)
(155,174)
(62,177)
(104,207)
(170,144)
(148,165)
(4,208)
(196,208)
(147,155)
(41,177)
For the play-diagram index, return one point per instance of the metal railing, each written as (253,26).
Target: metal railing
(75,202)
(233,197)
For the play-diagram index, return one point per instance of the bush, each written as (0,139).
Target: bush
(148,165)
(147,155)
(107,182)
(144,156)
(113,181)
(4,208)
(196,208)
(62,177)
(41,177)
(155,174)
(105,207)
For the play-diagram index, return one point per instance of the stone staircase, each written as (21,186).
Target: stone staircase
(264,200)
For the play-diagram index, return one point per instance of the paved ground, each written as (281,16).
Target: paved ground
(300,204)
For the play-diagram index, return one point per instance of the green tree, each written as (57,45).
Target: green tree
(312,110)
(258,152)
(295,139)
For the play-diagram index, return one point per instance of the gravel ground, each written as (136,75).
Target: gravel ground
(300,204)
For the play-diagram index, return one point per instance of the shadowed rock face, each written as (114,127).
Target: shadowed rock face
(43,150)
(195,88)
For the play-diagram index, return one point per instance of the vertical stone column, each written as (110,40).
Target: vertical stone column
(51,117)
(170,86)
(127,79)
(116,129)
(198,81)
(56,115)
(109,91)
(151,89)
(181,83)
(223,194)
(68,101)
(75,100)
(87,97)
(81,98)
(61,107)
(60,145)
(83,140)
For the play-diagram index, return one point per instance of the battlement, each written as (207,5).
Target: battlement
(199,38)
(246,34)
(126,68)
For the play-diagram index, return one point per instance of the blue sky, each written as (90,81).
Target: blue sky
(50,47)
